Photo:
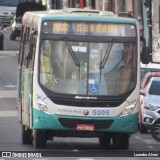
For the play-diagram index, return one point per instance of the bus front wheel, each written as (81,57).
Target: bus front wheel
(26,135)
(105,141)
(121,141)
(142,128)
(39,139)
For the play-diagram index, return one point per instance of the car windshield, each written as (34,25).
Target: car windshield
(87,68)
(155,88)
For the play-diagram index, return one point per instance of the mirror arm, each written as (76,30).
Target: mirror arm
(143,40)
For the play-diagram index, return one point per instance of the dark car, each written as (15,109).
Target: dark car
(1,38)
(16,28)
(16,25)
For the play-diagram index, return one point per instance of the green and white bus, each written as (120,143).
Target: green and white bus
(78,76)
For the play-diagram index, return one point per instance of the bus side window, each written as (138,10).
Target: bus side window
(22,43)
(28,39)
(45,62)
(25,45)
(31,61)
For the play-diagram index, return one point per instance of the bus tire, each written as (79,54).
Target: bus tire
(121,141)
(105,141)
(39,139)
(142,128)
(26,135)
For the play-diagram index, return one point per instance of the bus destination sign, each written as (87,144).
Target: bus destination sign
(88,28)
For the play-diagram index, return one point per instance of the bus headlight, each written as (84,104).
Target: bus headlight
(43,106)
(129,109)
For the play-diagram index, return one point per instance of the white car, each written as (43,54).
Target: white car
(150,104)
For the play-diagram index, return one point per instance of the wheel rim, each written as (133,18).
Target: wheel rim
(156,130)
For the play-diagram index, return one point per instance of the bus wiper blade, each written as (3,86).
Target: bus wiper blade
(77,63)
(103,62)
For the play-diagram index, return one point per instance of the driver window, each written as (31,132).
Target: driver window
(45,62)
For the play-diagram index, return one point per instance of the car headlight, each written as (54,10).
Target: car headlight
(150,107)
(43,106)
(129,109)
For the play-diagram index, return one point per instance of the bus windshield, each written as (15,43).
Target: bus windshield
(60,73)
(9,2)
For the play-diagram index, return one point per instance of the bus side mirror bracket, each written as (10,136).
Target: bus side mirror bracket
(31,44)
(145,52)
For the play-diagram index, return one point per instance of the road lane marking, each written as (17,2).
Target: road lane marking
(9,52)
(8,113)
(8,93)
(150,141)
(138,137)
(151,147)
(10,86)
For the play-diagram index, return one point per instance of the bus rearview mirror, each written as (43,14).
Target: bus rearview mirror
(145,55)
(145,52)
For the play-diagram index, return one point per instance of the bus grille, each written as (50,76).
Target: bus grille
(72,123)
(87,103)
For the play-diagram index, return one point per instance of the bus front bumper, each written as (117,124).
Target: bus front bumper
(126,124)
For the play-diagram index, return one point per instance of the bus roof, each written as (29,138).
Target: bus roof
(77,15)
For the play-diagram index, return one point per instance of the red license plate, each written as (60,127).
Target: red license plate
(85,127)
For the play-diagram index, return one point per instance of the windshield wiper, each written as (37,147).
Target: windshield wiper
(103,62)
(77,63)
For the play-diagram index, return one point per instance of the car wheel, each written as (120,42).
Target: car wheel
(155,130)
(12,37)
